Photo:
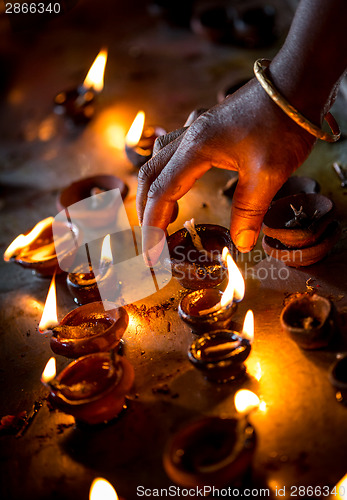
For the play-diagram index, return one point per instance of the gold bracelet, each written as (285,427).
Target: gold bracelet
(259,70)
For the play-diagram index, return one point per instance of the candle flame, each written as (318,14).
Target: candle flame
(106,252)
(49,316)
(235,289)
(102,490)
(341,489)
(50,371)
(246,401)
(135,131)
(95,76)
(22,241)
(248,326)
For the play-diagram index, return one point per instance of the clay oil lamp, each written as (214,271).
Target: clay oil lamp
(195,254)
(309,321)
(210,309)
(85,330)
(40,250)
(87,285)
(94,199)
(297,185)
(78,104)
(338,378)
(220,355)
(101,489)
(92,388)
(212,451)
(299,229)
(139,141)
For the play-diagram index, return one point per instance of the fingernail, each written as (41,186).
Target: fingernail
(245,240)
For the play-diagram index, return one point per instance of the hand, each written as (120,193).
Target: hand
(247,133)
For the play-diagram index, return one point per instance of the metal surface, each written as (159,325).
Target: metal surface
(302,438)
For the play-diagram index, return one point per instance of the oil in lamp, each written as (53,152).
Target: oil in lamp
(85,330)
(91,388)
(213,451)
(39,251)
(101,489)
(195,254)
(139,141)
(89,286)
(79,104)
(210,309)
(220,355)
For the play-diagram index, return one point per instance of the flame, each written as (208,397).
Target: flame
(106,252)
(248,326)
(246,401)
(102,490)
(341,488)
(22,241)
(49,316)
(135,131)
(235,289)
(95,76)
(50,371)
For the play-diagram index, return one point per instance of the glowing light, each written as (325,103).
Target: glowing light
(50,371)
(106,252)
(102,490)
(135,131)
(248,326)
(236,281)
(341,489)
(115,136)
(49,316)
(246,401)
(95,76)
(23,241)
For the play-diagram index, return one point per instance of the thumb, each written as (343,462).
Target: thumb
(251,201)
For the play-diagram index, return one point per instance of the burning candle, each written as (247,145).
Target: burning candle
(78,104)
(139,141)
(196,254)
(220,355)
(85,330)
(309,321)
(91,388)
(39,251)
(101,489)
(210,309)
(88,287)
(210,452)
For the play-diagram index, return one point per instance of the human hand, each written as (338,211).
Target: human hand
(247,133)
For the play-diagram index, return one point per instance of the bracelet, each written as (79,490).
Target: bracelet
(259,70)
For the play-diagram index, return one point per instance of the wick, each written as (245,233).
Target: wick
(211,309)
(223,347)
(190,227)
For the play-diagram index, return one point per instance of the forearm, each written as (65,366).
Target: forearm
(313,57)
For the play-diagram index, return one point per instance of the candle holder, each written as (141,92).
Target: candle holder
(211,451)
(40,253)
(220,355)
(99,211)
(89,329)
(138,154)
(201,300)
(194,269)
(309,321)
(93,388)
(338,378)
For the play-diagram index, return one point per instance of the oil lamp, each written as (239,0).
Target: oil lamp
(78,104)
(139,141)
(212,451)
(195,254)
(220,355)
(309,320)
(338,378)
(211,309)
(40,252)
(91,388)
(85,330)
(101,489)
(88,287)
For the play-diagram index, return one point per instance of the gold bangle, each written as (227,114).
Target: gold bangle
(259,70)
